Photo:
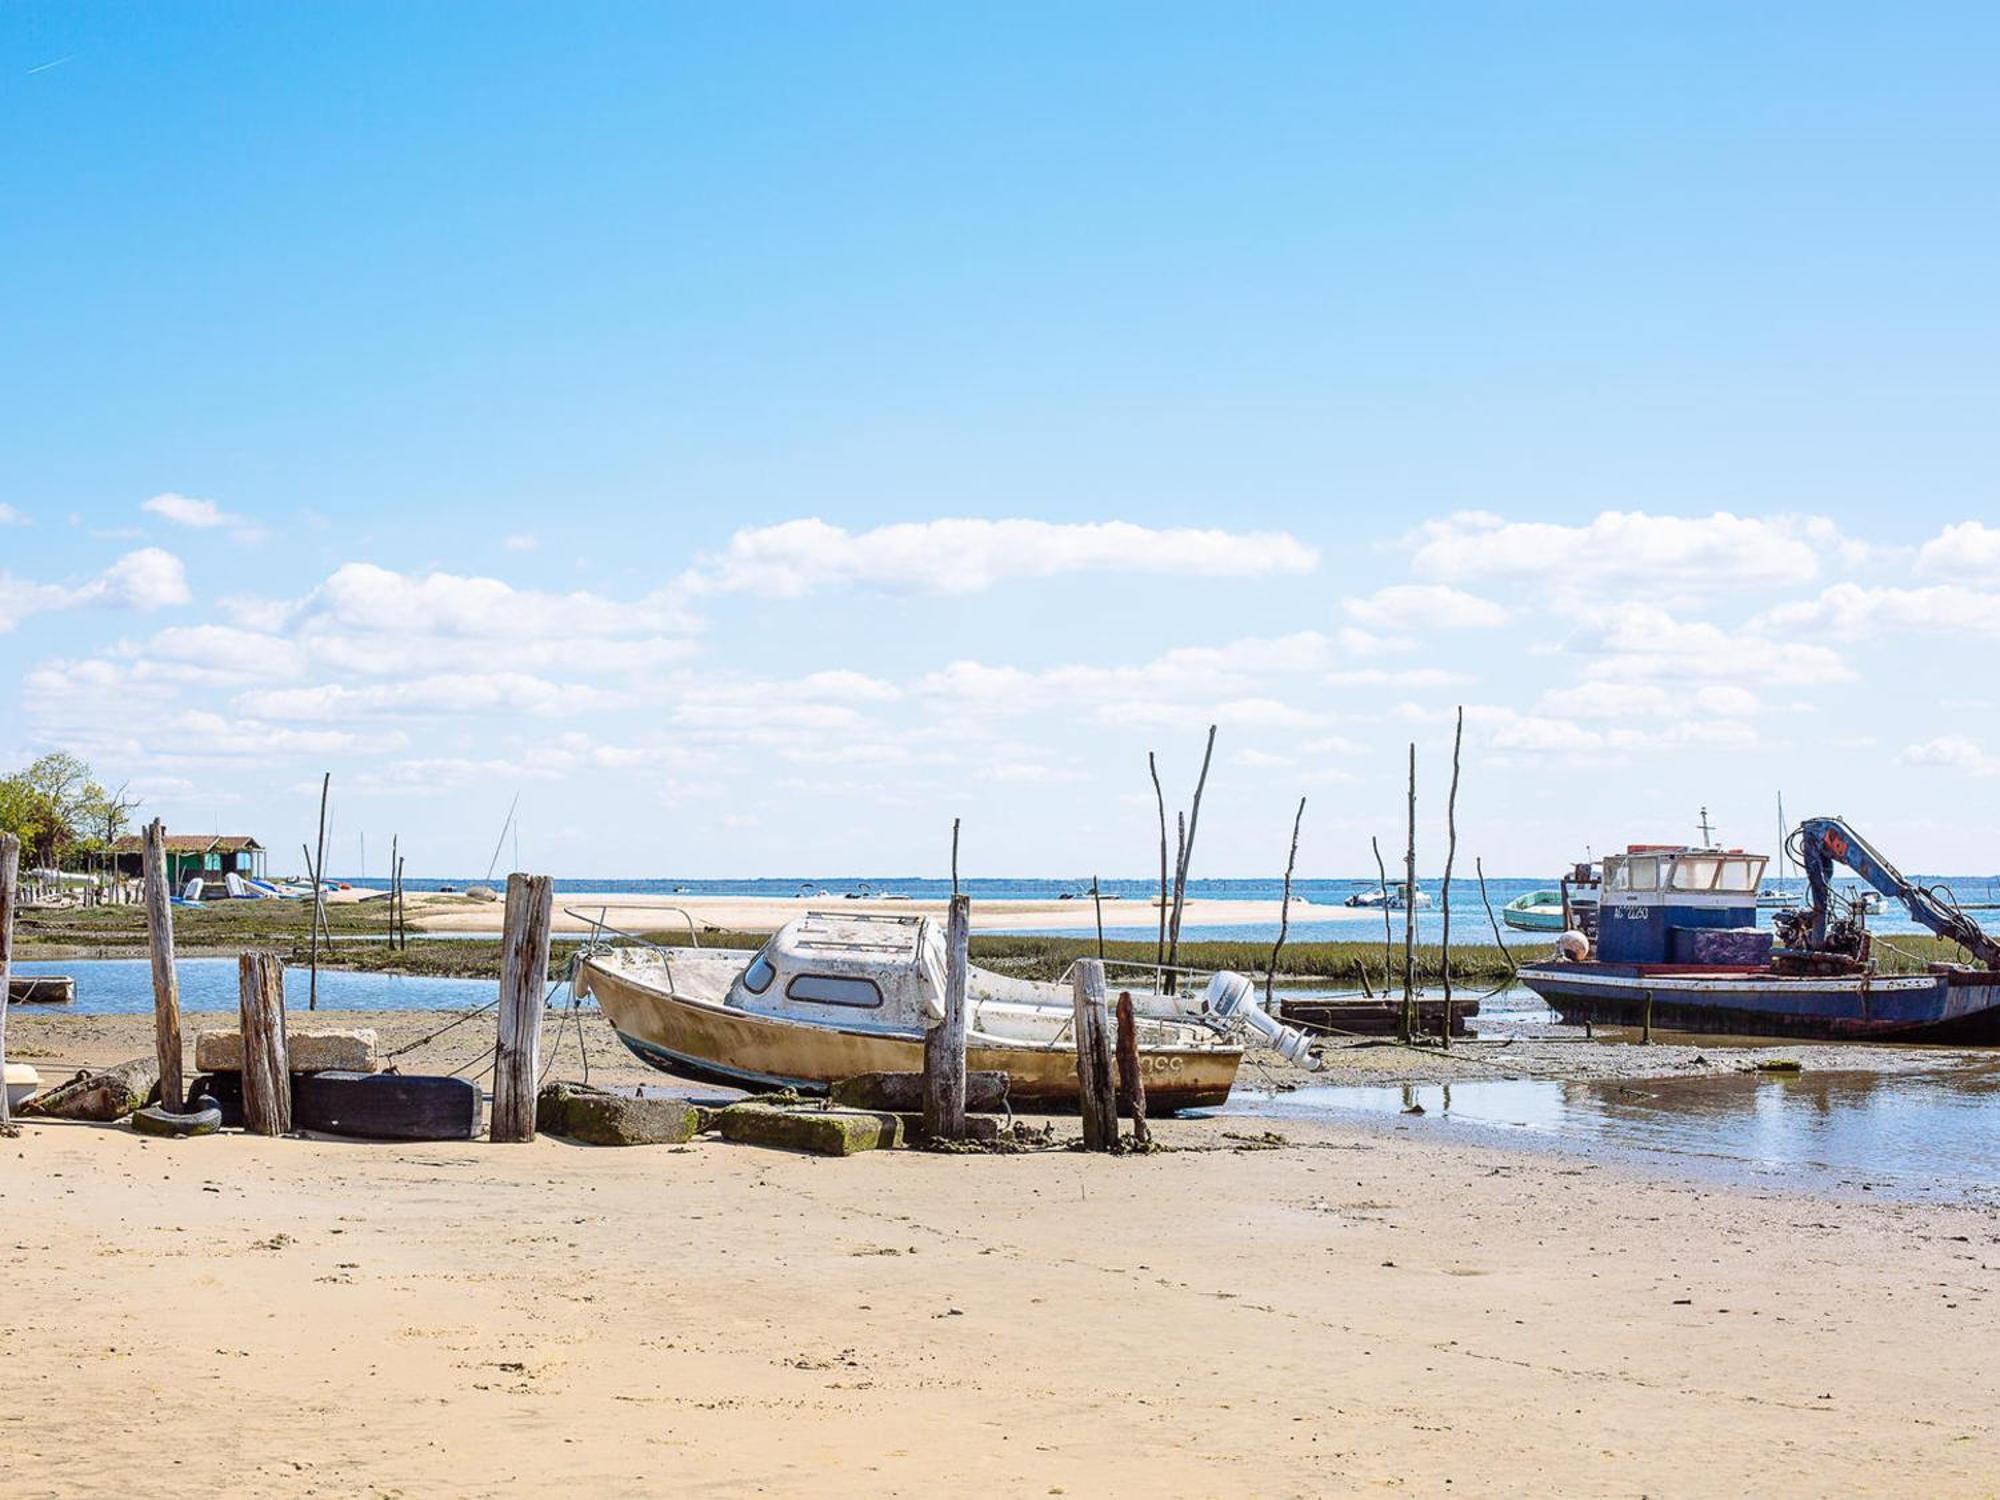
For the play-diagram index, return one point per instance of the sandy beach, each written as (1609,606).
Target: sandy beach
(1308,1311)
(577,910)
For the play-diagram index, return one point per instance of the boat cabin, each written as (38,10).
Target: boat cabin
(1670,904)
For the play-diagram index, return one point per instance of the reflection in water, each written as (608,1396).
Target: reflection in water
(1923,1131)
(124,986)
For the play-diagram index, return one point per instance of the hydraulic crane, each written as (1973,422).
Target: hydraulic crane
(1821,842)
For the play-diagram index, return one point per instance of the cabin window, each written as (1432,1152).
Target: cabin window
(757,978)
(834,989)
(1696,872)
(1740,875)
(1642,875)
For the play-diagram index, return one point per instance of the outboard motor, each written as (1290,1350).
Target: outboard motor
(1232,998)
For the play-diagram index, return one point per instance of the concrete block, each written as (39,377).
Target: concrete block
(323,1051)
(822,1132)
(600,1119)
(904,1092)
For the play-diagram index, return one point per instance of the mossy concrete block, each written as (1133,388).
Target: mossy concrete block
(822,1132)
(316,1051)
(600,1119)
(984,1129)
(904,1092)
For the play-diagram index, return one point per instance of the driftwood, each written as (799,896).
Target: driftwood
(10,885)
(1450,853)
(166,979)
(1131,1077)
(944,1043)
(267,1071)
(524,969)
(102,1095)
(1097,1096)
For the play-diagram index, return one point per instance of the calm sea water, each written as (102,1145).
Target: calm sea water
(124,986)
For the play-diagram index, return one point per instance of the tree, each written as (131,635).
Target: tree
(56,805)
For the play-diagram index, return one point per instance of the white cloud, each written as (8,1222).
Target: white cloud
(1645,700)
(148,579)
(1631,549)
(460,693)
(10,516)
(1505,730)
(200,515)
(1968,549)
(1852,612)
(521,541)
(963,556)
(364,597)
(225,649)
(1419,606)
(1954,752)
(1403,677)
(1644,642)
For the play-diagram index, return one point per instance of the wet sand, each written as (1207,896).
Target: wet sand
(575,911)
(1345,1311)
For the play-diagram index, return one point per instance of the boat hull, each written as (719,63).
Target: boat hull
(692,1037)
(1961,1008)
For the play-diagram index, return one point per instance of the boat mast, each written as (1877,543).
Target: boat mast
(1707,832)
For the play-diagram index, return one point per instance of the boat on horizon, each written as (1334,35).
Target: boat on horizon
(1394,899)
(834,995)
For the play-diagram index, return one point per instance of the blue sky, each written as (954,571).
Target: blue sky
(484,369)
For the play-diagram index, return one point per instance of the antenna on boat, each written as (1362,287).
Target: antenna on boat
(1707,831)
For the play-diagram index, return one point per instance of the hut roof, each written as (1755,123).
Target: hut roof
(194,843)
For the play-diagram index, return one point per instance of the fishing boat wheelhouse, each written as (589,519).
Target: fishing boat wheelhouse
(1670,904)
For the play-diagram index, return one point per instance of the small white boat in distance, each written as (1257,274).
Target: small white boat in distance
(1375,900)
(834,995)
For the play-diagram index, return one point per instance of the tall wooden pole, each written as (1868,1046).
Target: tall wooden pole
(267,1075)
(402,907)
(166,979)
(1450,853)
(1131,1078)
(1409,1029)
(1097,905)
(1284,907)
(1187,852)
(395,839)
(10,884)
(944,1043)
(319,892)
(1388,932)
(1160,948)
(524,969)
(1097,1096)
(954,856)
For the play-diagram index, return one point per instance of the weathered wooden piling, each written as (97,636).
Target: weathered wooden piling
(1096,1094)
(1284,909)
(10,884)
(318,871)
(1450,854)
(944,1043)
(1410,912)
(267,1072)
(524,968)
(1131,1078)
(166,979)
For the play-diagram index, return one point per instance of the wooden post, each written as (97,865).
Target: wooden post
(1284,908)
(1131,1080)
(1647,1035)
(1409,1027)
(394,840)
(1450,853)
(1097,904)
(1187,852)
(402,908)
(10,881)
(1388,932)
(267,1076)
(954,856)
(944,1043)
(319,893)
(166,979)
(1096,1094)
(524,970)
(1160,948)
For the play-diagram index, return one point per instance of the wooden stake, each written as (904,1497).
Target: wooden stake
(319,893)
(1187,852)
(1097,901)
(402,908)
(166,979)
(1409,1029)
(524,969)
(267,1076)
(1160,950)
(954,856)
(1450,853)
(1388,932)
(395,839)
(10,884)
(1285,907)
(1097,1097)
(944,1043)
(1131,1079)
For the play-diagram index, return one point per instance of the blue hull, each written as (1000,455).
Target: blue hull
(1955,1008)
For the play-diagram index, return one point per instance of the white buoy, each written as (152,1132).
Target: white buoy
(1573,946)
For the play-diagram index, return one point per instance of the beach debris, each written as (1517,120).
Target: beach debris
(985,1091)
(111,1094)
(157,1119)
(481,893)
(598,1118)
(820,1132)
(350,1050)
(387,1106)
(1777,1065)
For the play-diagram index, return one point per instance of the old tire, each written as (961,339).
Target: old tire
(154,1120)
(387,1106)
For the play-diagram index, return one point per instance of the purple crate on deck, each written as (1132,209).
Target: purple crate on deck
(1744,947)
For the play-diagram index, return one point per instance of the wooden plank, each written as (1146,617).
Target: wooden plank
(10,884)
(944,1043)
(1096,1096)
(166,979)
(1132,1078)
(267,1073)
(524,968)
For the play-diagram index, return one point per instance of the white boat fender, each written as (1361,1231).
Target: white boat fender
(1231,997)
(1574,946)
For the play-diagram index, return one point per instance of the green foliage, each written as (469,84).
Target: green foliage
(59,809)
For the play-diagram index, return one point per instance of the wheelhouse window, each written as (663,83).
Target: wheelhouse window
(834,989)
(1696,872)
(1633,872)
(757,978)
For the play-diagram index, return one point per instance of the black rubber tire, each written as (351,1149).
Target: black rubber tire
(153,1120)
(226,1089)
(387,1106)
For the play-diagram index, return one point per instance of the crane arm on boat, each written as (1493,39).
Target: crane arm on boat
(1231,998)
(1822,841)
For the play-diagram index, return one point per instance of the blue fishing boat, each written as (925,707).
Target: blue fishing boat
(1678,948)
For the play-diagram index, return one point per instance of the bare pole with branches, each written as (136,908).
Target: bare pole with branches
(1187,853)
(1284,906)
(1160,949)
(1388,932)
(1409,1028)
(1450,853)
